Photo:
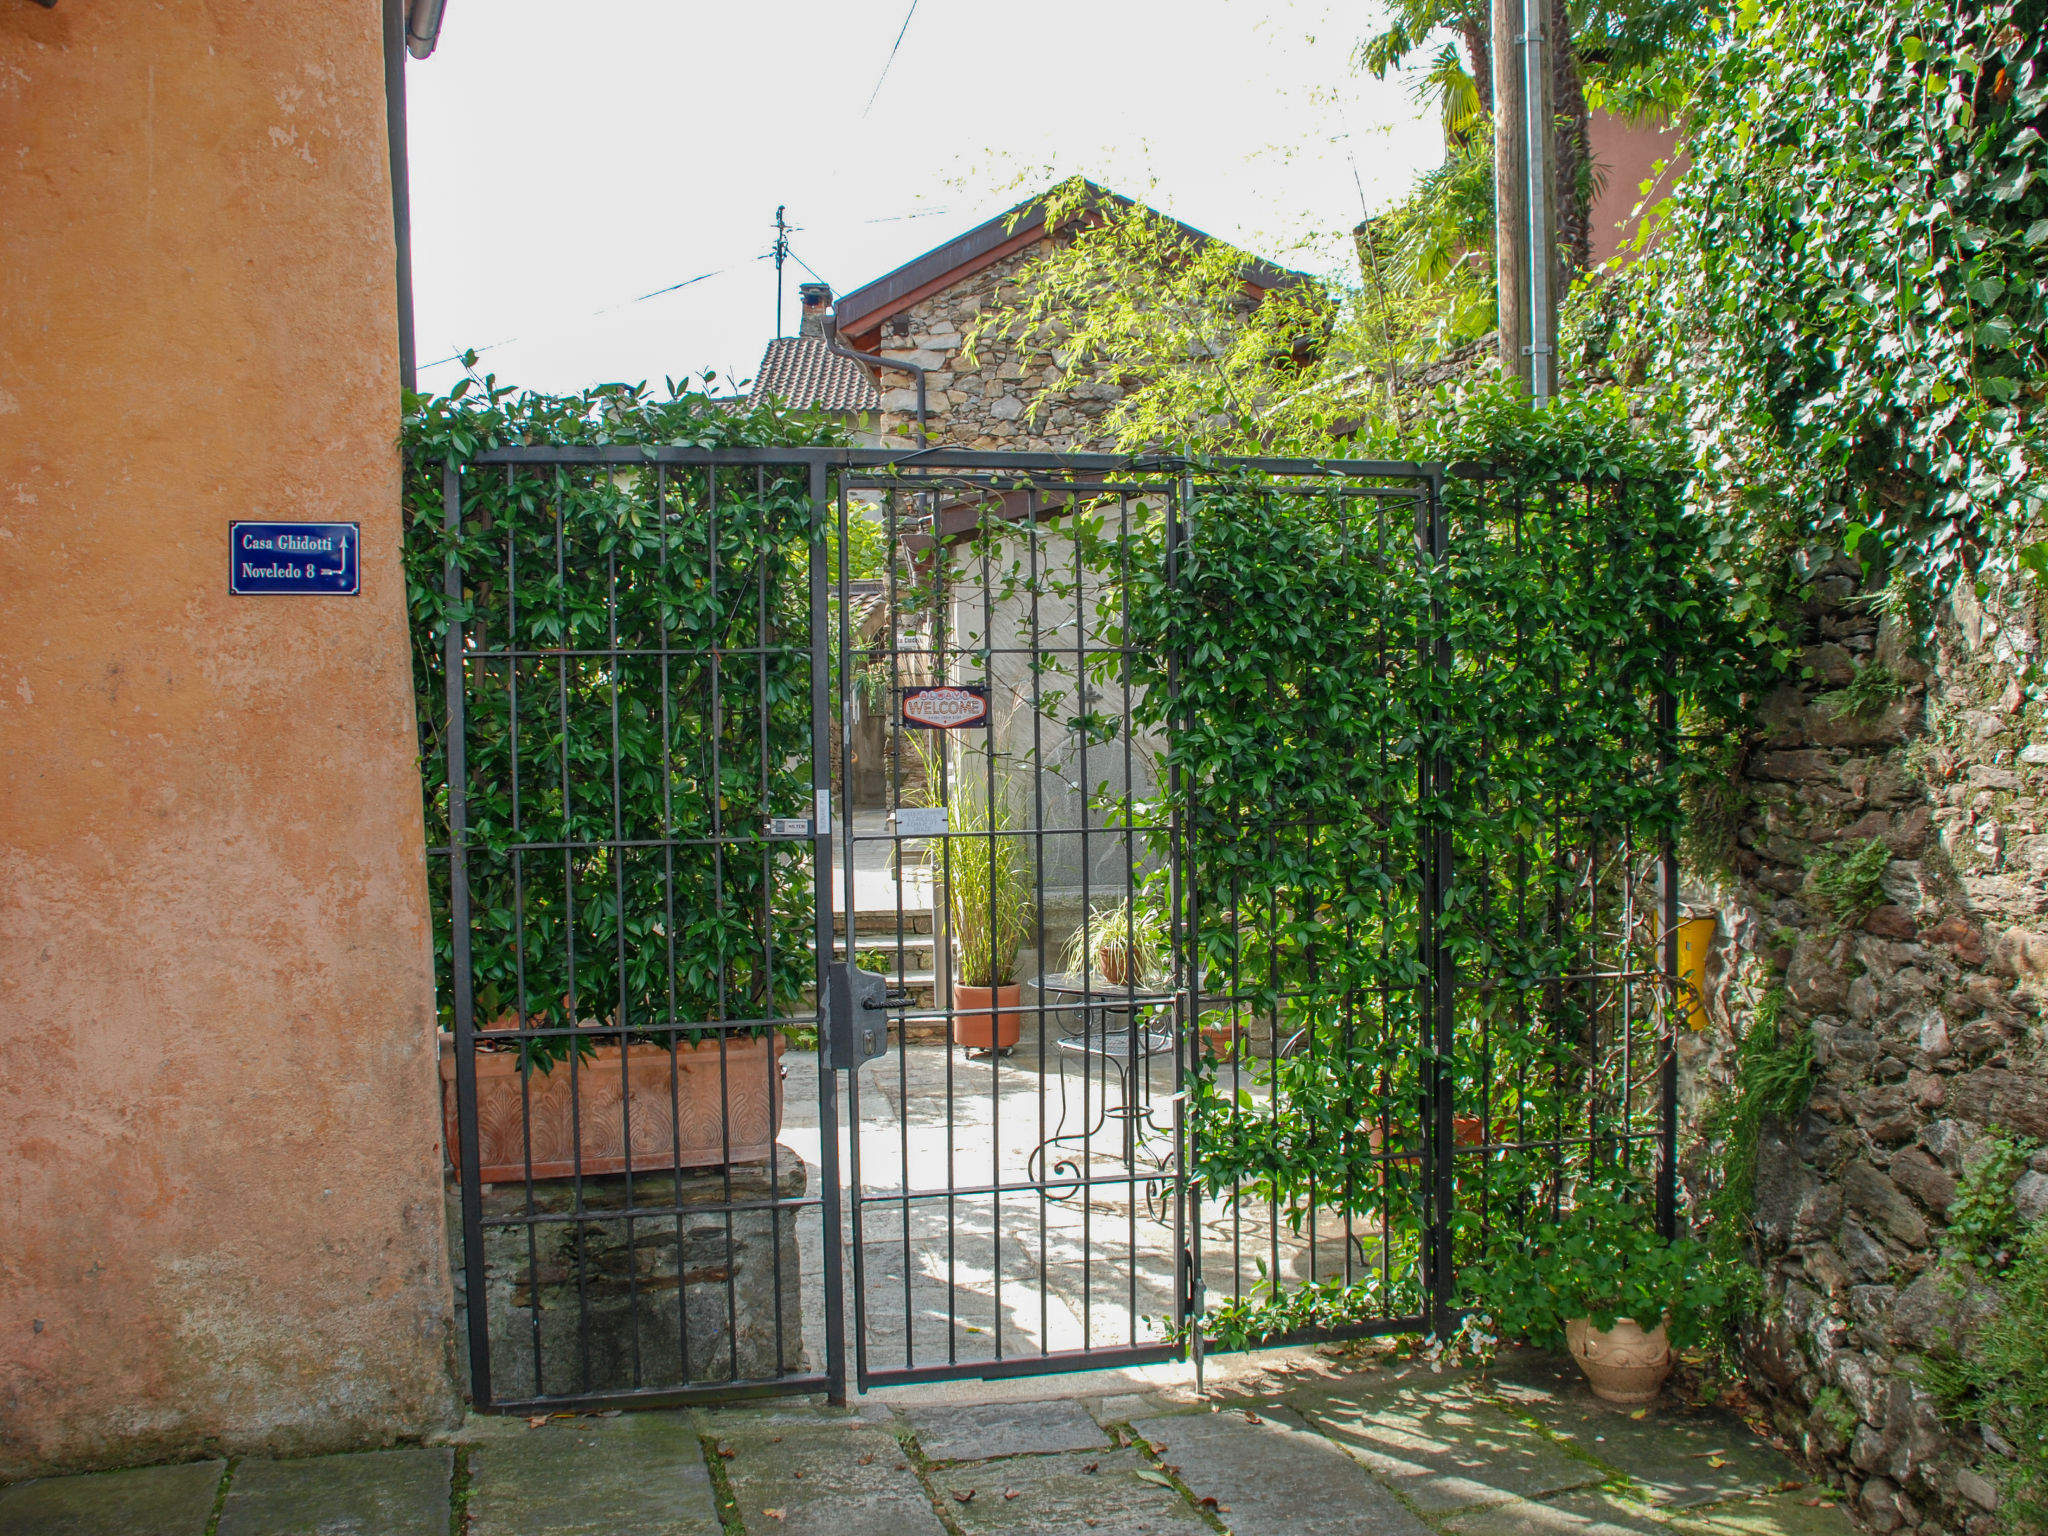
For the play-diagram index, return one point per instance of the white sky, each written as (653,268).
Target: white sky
(569,156)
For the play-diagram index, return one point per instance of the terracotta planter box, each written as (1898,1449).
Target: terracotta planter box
(988,1018)
(679,1113)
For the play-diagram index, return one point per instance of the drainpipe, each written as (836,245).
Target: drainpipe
(1536,94)
(831,329)
(401,190)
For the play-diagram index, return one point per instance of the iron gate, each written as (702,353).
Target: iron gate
(827,950)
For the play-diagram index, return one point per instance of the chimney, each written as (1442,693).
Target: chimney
(815,299)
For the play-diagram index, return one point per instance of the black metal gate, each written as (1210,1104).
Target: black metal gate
(832,941)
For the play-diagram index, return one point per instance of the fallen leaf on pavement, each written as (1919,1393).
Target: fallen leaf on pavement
(1011,1493)
(772,1514)
(726,1453)
(536,1421)
(1252,1418)
(1155,1477)
(1091,1466)
(867,1459)
(1639,1413)
(1717,1461)
(964,1498)
(1207,1501)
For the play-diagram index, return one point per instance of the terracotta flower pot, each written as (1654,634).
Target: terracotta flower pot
(1221,1039)
(987,1018)
(1466,1130)
(685,1113)
(1623,1364)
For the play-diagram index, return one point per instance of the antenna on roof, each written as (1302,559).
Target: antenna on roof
(781,254)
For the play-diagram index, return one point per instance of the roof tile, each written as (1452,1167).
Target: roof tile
(802,371)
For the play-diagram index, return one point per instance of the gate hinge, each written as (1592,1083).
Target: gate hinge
(856,1021)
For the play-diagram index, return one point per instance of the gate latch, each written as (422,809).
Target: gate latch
(857,1010)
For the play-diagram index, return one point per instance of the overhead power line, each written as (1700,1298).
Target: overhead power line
(864,111)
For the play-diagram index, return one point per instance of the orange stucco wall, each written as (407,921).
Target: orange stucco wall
(220,1208)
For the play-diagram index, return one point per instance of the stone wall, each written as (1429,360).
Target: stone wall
(1926,1020)
(1010,396)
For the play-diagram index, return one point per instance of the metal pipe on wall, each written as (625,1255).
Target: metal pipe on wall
(401,188)
(839,349)
(1542,319)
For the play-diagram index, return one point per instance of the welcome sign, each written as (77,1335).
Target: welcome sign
(318,558)
(945,708)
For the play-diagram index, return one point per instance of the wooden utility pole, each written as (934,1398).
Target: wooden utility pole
(1511,189)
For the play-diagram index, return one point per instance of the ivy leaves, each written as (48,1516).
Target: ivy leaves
(1847,299)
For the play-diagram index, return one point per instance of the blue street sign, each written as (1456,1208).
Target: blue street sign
(319,558)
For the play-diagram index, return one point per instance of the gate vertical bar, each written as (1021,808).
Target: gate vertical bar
(1441,1141)
(823,529)
(456,684)
(1191,1297)
(1667,1032)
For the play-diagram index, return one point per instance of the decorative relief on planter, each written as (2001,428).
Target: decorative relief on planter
(684,1113)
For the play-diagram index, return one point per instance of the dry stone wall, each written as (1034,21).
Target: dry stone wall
(1012,394)
(1927,1024)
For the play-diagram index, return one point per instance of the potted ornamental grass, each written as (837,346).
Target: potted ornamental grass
(983,868)
(1596,1277)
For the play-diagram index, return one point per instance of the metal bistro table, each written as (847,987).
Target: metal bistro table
(1121,1032)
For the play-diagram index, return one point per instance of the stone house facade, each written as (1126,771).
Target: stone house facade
(1926,1023)
(1016,392)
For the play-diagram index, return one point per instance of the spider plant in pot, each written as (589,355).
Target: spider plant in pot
(983,867)
(1600,1279)
(1119,943)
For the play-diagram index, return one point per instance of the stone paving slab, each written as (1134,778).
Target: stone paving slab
(144,1501)
(1449,1451)
(1677,1459)
(1587,1512)
(1806,1512)
(641,1474)
(979,1431)
(1057,1495)
(823,1479)
(377,1493)
(1669,1449)
(1271,1475)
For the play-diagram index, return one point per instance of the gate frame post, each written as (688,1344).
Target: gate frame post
(822,530)
(1667,1033)
(455,683)
(1440,1032)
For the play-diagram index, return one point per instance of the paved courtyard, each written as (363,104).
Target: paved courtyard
(1287,1443)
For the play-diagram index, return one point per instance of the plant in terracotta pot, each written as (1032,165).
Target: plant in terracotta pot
(983,865)
(625,982)
(1120,943)
(1599,1279)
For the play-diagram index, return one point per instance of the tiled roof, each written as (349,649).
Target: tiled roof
(802,371)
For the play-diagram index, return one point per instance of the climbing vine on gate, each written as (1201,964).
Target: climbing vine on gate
(638,704)
(1322,666)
